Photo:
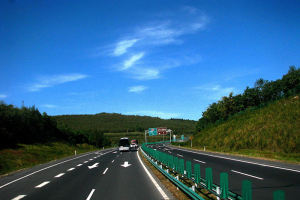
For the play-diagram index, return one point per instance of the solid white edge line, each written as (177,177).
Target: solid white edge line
(42,184)
(2,186)
(247,175)
(90,195)
(254,163)
(153,180)
(105,170)
(19,197)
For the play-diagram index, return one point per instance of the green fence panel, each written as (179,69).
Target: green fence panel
(278,195)
(209,178)
(159,156)
(181,166)
(197,174)
(176,164)
(188,169)
(224,185)
(171,159)
(163,157)
(166,158)
(246,190)
(155,155)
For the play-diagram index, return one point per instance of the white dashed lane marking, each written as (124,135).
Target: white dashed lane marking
(247,175)
(42,184)
(59,175)
(199,161)
(19,197)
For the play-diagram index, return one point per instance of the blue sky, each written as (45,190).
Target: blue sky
(167,59)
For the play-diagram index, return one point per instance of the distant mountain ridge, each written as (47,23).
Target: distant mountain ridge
(117,123)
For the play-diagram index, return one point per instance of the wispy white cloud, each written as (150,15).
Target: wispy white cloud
(215,92)
(154,113)
(3,96)
(161,33)
(169,29)
(48,106)
(139,88)
(50,81)
(146,73)
(122,46)
(164,32)
(132,60)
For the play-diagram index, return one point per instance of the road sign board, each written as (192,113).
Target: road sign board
(152,131)
(162,130)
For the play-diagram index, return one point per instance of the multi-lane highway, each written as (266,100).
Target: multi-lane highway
(106,174)
(266,176)
(109,174)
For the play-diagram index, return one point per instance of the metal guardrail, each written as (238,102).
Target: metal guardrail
(182,186)
(167,164)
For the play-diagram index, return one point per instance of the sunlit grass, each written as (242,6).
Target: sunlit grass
(272,132)
(26,156)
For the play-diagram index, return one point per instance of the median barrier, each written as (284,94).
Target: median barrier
(177,171)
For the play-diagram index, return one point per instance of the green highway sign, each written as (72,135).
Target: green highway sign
(152,131)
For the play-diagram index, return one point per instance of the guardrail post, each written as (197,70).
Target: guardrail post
(181,166)
(218,192)
(224,185)
(246,190)
(278,195)
(197,174)
(209,179)
(188,169)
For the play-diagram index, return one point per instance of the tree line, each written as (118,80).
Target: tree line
(118,123)
(263,91)
(27,125)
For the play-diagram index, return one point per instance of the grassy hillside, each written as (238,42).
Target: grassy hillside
(117,123)
(275,128)
(29,155)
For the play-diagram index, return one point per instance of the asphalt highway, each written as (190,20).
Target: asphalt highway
(106,174)
(266,176)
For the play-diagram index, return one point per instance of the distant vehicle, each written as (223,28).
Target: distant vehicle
(133,145)
(124,144)
(134,141)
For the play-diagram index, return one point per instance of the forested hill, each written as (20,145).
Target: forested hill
(117,123)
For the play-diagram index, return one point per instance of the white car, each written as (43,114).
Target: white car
(133,145)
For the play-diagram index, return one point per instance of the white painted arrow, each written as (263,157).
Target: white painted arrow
(93,166)
(126,164)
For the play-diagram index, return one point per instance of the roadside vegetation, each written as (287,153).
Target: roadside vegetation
(29,138)
(28,155)
(271,132)
(259,96)
(261,122)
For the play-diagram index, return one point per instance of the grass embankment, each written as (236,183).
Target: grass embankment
(25,156)
(272,132)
